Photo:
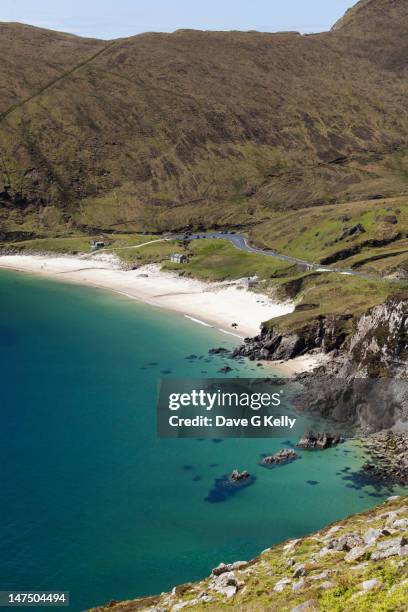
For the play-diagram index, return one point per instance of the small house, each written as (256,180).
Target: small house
(250,281)
(97,244)
(304,267)
(178,258)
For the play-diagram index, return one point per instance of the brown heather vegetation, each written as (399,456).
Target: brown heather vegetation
(159,130)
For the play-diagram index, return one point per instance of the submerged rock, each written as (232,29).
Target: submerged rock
(225,369)
(229,485)
(218,351)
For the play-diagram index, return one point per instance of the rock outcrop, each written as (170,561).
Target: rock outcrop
(324,333)
(237,476)
(389,457)
(376,347)
(379,345)
(286,455)
(319,441)
(364,381)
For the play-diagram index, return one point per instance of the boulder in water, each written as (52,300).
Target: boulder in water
(237,476)
(319,441)
(286,455)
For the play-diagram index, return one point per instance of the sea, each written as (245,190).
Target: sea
(92,501)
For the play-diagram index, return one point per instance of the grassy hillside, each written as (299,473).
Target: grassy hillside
(34,58)
(160,130)
(358,235)
(300,141)
(356,564)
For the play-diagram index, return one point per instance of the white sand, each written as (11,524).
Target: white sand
(304,363)
(214,304)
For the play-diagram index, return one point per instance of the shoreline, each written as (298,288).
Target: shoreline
(215,305)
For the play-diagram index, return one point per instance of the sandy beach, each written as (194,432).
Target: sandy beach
(217,305)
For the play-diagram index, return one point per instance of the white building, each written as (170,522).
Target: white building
(178,258)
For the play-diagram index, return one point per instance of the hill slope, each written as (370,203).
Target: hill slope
(357,564)
(158,130)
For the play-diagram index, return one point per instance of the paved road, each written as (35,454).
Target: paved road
(241,243)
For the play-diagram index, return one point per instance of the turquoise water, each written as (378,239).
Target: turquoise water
(91,501)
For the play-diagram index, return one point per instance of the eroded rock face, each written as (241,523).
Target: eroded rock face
(376,348)
(379,345)
(324,333)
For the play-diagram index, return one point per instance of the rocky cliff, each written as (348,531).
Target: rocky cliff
(364,381)
(372,345)
(326,333)
(379,344)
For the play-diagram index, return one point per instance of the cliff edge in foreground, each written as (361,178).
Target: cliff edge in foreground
(359,563)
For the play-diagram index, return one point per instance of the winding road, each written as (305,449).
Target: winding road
(240,242)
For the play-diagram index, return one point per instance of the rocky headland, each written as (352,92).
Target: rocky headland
(374,344)
(364,382)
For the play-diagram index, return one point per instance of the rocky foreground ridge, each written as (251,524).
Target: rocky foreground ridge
(359,563)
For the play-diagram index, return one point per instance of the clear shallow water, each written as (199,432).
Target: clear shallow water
(91,501)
